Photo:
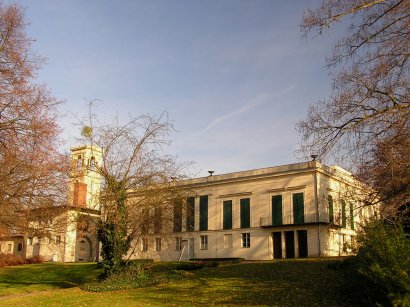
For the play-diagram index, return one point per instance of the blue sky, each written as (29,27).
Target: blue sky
(234,76)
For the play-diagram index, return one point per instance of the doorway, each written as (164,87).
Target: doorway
(290,244)
(277,245)
(188,249)
(83,249)
(302,243)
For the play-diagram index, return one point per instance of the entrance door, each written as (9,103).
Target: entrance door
(191,248)
(290,244)
(302,243)
(187,249)
(277,245)
(83,249)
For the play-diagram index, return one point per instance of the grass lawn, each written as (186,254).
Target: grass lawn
(46,276)
(281,283)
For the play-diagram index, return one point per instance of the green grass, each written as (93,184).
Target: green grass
(282,283)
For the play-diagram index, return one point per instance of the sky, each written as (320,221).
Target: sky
(233,76)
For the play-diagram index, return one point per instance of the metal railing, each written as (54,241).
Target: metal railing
(287,220)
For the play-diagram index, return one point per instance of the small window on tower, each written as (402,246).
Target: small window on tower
(92,164)
(79,163)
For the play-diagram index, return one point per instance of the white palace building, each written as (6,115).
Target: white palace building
(291,211)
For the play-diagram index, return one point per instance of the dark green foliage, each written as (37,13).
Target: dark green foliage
(114,246)
(384,259)
(112,234)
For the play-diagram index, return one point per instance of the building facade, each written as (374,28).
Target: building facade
(292,211)
(66,234)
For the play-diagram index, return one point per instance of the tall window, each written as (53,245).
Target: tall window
(190,214)
(19,247)
(144,221)
(344,213)
(227,214)
(177,217)
(203,212)
(276,210)
(204,242)
(330,203)
(178,243)
(58,240)
(92,164)
(30,241)
(144,244)
(79,163)
(245,213)
(298,208)
(9,247)
(157,220)
(351,216)
(246,239)
(157,244)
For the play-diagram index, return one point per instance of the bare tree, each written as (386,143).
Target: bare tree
(368,113)
(137,188)
(33,174)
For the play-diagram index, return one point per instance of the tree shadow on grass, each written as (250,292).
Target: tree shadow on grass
(45,276)
(47,284)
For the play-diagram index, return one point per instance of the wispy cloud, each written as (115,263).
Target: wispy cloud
(258,100)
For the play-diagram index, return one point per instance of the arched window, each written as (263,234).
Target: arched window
(92,164)
(79,163)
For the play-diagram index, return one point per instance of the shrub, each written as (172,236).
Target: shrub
(384,259)
(10,259)
(35,259)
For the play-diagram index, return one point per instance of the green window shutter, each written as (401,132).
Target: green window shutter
(227,214)
(245,213)
(343,213)
(145,221)
(158,220)
(177,217)
(298,209)
(330,202)
(203,212)
(351,216)
(190,214)
(277,210)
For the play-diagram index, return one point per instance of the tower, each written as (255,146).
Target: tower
(85,180)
